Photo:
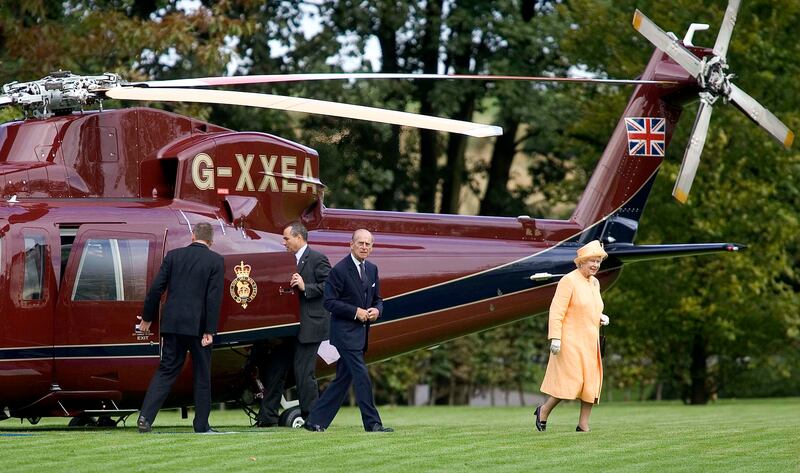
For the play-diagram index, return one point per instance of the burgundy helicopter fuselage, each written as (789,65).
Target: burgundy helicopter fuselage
(92,201)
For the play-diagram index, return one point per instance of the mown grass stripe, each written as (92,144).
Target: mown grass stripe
(728,436)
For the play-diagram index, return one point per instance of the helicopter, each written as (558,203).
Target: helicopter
(93,199)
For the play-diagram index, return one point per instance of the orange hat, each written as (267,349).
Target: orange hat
(593,249)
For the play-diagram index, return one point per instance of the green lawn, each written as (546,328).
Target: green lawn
(731,435)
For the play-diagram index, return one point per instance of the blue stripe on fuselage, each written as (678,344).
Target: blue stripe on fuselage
(504,280)
(83,351)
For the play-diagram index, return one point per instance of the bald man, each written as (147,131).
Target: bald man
(352,295)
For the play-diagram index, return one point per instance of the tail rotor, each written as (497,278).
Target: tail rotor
(715,83)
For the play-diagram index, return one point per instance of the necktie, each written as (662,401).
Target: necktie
(361,275)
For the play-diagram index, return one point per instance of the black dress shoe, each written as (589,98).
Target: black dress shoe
(579,429)
(210,430)
(541,425)
(380,428)
(264,423)
(313,427)
(143,425)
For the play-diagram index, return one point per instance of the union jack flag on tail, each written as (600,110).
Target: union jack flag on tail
(646,136)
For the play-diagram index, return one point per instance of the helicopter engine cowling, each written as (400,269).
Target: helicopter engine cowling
(258,180)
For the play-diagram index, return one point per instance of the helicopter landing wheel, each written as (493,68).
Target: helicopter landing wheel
(291,418)
(83,421)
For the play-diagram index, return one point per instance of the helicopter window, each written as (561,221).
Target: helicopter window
(34,268)
(67,237)
(112,270)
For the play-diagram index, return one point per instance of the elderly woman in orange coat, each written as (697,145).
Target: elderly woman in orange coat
(575,370)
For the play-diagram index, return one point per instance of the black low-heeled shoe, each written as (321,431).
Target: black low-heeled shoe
(541,425)
(578,429)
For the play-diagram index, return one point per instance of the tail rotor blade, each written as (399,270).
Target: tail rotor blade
(298,104)
(664,42)
(762,116)
(725,31)
(691,159)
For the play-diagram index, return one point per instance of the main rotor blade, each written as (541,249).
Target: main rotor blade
(726,29)
(281,78)
(664,42)
(299,104)
(691,158)
(762,116)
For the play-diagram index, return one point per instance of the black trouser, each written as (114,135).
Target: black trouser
(303,358)
(173,355)
(350,369)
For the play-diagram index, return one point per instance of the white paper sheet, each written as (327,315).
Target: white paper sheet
(328,352)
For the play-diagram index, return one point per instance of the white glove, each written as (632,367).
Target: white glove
(555,346)
(604,320)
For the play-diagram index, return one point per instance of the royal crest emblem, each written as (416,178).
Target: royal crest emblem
(243,288)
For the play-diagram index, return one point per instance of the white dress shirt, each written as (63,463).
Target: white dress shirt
(299,253)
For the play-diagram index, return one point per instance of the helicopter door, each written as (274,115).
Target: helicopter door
(26,319)
(103,289)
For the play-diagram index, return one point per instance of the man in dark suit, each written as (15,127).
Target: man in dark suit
(193,277)
(312,271)
(352,295)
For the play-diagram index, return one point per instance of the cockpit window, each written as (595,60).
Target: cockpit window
(33,282)
(112,270)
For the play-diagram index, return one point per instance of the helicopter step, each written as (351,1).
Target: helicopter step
(101,417)
(110,412)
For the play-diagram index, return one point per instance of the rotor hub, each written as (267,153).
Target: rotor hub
(60,92)
(713,78)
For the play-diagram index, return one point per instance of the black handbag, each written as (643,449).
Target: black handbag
(602,343)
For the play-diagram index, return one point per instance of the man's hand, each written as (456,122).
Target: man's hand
(207,340)
(373,314)
(144,326)
(555,346)
(297,281)
(362,315)
(604,320)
